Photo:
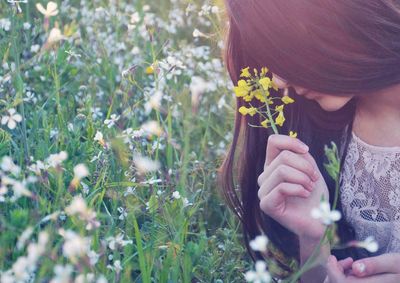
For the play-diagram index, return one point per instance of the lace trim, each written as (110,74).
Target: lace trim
(370,192)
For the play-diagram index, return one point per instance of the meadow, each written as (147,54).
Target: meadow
(115,116)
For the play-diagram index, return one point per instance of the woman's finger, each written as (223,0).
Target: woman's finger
(346,264)
(291,159)
(285,174)
(270,202)
(277,143)
(333,269)
(385,263)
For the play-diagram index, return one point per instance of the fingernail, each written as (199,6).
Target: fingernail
(315,175)
(360,267)
(304,147)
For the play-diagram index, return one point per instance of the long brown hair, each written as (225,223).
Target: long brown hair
(336,47)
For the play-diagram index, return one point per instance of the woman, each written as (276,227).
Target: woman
(340,61)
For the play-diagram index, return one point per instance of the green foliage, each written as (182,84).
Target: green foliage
(163,225)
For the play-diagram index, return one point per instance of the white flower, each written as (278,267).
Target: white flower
(99,138)
(176,195)
(122,212)
(55,36)
(197,33)
(154,102)
(185,202)
(325,214)
(23,238)
(19,189)
(118,241)
(85,278)
(56,159)
(7,165)
(5,24)
(74,246)
(260,275)
(113,119)
(12,119)
(51,9)
(116,267)
(78,206)
(81,171)
(26,26)
(259,243)
(369,244)
(152,128)
(144,164)
(62,273)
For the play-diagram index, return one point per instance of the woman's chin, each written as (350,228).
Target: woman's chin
(331,105)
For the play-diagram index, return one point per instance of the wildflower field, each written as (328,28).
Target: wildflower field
(115,116)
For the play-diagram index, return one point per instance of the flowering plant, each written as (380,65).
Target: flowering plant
(257,86)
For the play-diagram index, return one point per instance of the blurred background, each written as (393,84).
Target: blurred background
(115,116)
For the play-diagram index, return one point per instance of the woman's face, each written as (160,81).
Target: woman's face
(326,101)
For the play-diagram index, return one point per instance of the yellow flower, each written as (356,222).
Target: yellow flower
(245,73)
(287,99)
(265,82)
(293,134)
(244,110)
(265,123)
(242,88)
(255,72)
(264,71)
(260,96)
(280,119)
(279,108)
(150,70)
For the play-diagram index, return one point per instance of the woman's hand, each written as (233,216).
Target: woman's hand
(377,269)
(291,185)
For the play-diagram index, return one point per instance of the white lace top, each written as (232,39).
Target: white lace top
(370,193)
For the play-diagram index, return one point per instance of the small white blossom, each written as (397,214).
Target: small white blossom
(176,195)
(116,266)
(122,212)
(99,138)
(24,237)
(144,164)
(55,36)
(260,275)
(55,160)
(154,102)
(74,246)
(325,214)
(152,128)
(370,244)
(80,171)
(12,119)
(113,119)
(197,33)
(51,9)
(62,273)
(5,24)
(259,243)
(185,202)
(118,241)
(7,165)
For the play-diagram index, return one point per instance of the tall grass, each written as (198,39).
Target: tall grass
(140,61)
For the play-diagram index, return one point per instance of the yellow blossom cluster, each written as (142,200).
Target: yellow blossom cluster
(257,86)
